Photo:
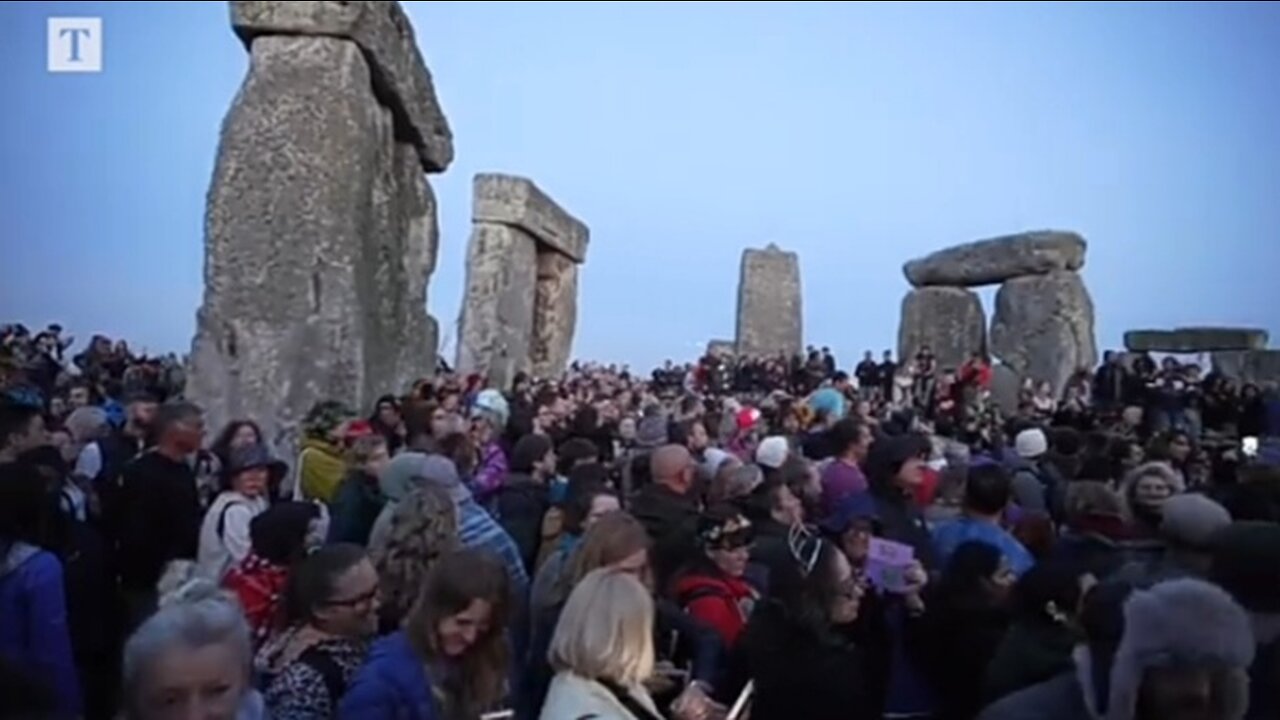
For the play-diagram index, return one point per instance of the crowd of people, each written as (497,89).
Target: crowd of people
(766,539)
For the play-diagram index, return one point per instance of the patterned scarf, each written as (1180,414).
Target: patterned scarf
(259,585)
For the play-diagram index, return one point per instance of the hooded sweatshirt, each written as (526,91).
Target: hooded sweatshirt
(400,477)
(320,471)
(1179,622)
(33,623)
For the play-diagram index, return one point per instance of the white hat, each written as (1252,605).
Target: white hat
(772,452)
(1031,443)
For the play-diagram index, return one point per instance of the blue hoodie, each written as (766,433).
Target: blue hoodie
(392,685)
(33,622)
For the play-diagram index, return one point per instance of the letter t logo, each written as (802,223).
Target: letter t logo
(75,45)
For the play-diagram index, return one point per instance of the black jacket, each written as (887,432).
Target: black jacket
(672,522)
(961,628)
(1032,651)
(771,547)
(158,518)
(519,506)
(798,675)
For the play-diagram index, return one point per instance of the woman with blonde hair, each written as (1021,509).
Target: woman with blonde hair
(603,651)
(423,527)
(619,542)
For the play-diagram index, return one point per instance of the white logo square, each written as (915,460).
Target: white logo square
(75,44)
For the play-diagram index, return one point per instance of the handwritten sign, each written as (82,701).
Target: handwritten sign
(887,563)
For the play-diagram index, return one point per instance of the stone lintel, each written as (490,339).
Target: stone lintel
(383,31)
(516,201)
(1195,340)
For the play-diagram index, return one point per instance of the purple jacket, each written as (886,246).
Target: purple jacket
(489,476)
(33,623)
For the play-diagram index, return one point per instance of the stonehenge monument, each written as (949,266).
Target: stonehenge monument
(321,230)
(721,348)
(1238,353)
(769,320)
(1042,326)
(519,310)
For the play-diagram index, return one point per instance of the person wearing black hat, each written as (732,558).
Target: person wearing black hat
(224,533)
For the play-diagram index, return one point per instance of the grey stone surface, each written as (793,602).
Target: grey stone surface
(383,31)
(770,317)
(555,314)
(1195,339)
(948,320)
(496,335)
(1255,366)
(1043,327)
(513,200)
(1006,385)
(721,348)
(320,235)
(987,262)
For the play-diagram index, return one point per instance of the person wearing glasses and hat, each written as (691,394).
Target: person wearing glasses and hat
(713,587)
(224,533)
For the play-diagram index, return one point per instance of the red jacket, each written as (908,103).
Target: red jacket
(978,374)
(718,601)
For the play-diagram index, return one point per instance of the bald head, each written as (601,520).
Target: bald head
(672,465)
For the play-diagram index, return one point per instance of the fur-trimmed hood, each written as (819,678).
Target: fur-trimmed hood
(1162,470)
(1177,622)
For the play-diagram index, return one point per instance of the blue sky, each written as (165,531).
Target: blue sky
(858,135)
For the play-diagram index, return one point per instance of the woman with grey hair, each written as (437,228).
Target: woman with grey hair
(192,658)
(85,426)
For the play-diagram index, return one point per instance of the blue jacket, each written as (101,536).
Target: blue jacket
(952,534)
(392,685)
(33,622)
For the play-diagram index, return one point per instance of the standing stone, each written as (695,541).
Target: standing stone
(769,308)
(948,320)
(321,230)
(1006,387)
(1252,366)
(555,313)
(497,319)
(987,262)
(519,311)
(1043,327)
